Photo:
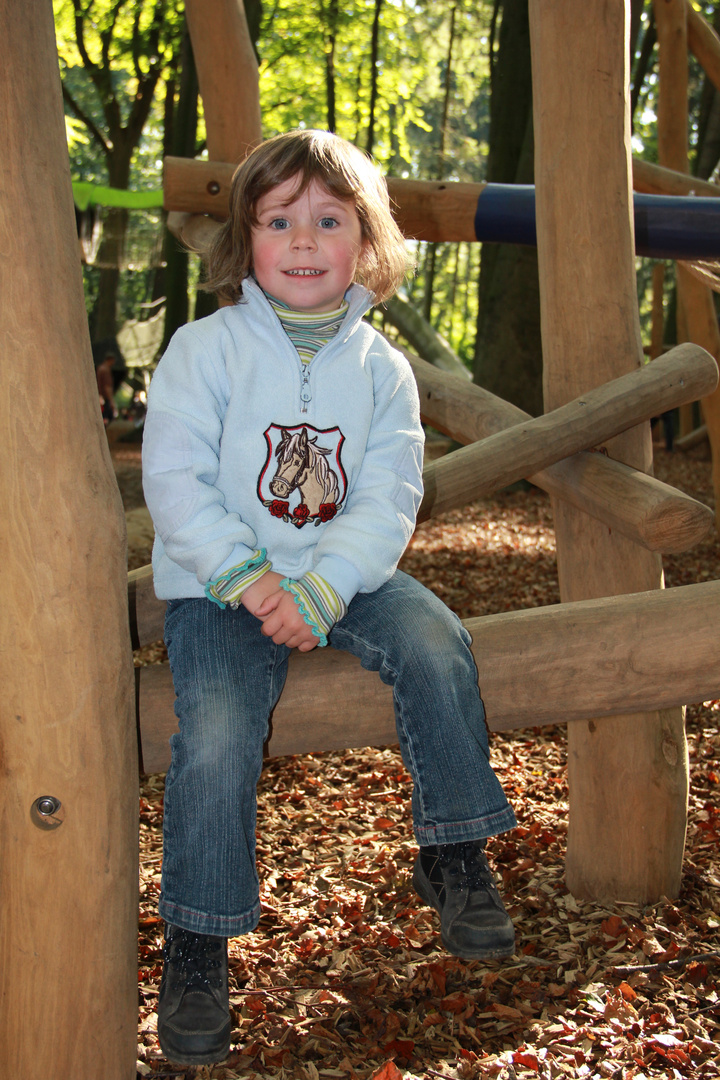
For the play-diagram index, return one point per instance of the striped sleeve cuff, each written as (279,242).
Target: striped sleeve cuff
(228,588)
(319,604)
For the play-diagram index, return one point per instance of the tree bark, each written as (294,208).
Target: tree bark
(183,144)
(508,356)
(628,776)
(68,911)
(374,76)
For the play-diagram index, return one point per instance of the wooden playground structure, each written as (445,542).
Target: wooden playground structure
(616,660)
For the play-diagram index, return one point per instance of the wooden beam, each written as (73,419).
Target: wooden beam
(591,334)
(578,661)
(704,43)
(657,180)
(68,916)
(227,75)
(681,375)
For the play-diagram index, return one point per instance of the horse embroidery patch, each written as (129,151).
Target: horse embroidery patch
(308,482)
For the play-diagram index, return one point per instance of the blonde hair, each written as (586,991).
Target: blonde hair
(345,172)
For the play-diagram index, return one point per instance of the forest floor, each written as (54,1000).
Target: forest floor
(345,976)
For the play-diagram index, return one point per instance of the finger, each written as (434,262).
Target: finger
(308,646)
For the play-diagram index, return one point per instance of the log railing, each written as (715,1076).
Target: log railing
(643,509)
(683,374)
(539,666)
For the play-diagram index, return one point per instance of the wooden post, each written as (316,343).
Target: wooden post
(676,24)
(228,77)
(703,41)
(672,125)
(68,902)
(702,326)
(658,310)
(628,774)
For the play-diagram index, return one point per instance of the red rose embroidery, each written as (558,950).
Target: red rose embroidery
(327,511)
(278,509)
(301,512)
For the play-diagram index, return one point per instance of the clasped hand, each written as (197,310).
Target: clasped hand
(279,614)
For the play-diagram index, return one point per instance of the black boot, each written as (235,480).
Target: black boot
(193,1009)
(456,880)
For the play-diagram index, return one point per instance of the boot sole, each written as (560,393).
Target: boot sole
(179,1057)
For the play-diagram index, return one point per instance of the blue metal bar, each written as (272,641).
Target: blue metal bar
(666,226)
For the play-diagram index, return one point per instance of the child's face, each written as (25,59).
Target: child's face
(305,251)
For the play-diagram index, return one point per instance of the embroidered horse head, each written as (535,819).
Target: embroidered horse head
(302,464)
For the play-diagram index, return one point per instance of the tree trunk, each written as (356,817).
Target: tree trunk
(508,355)
(374,74)
(332,18)
(432,249)
(628,775)
(110,258)
(183,144)
(68,898)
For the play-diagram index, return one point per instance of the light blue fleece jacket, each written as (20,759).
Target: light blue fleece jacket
(245,448)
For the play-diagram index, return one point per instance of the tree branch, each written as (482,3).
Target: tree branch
(85,119)
(668,965)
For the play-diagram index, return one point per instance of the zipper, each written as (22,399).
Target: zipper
(305,393)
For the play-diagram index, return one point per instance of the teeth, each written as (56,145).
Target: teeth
(304,273)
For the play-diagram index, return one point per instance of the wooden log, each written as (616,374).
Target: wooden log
(694,438)
(704,43)
(681,375)
(435,210)
(627,500)
(68,914)
(702,327)
(227,75)
(672,125)
(625,840)
(657,325)
(579,662)
(677,24)
(658,180)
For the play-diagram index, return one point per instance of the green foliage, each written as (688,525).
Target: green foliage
(295,44)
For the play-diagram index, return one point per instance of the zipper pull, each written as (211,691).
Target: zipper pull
(305,394)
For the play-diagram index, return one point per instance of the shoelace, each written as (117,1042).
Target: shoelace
(189,954)
(467,864)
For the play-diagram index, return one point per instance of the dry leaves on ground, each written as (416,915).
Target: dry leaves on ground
(345,976)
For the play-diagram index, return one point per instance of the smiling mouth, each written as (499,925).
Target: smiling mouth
(304,273)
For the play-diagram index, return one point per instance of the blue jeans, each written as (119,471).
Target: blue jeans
(228,677)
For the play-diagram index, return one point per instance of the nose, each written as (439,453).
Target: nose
(304,238)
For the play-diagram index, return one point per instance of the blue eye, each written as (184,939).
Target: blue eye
(279,223)
(327,222)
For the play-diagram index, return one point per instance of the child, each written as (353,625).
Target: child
(283,470)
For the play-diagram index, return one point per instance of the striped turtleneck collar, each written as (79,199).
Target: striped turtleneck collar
(308,330)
